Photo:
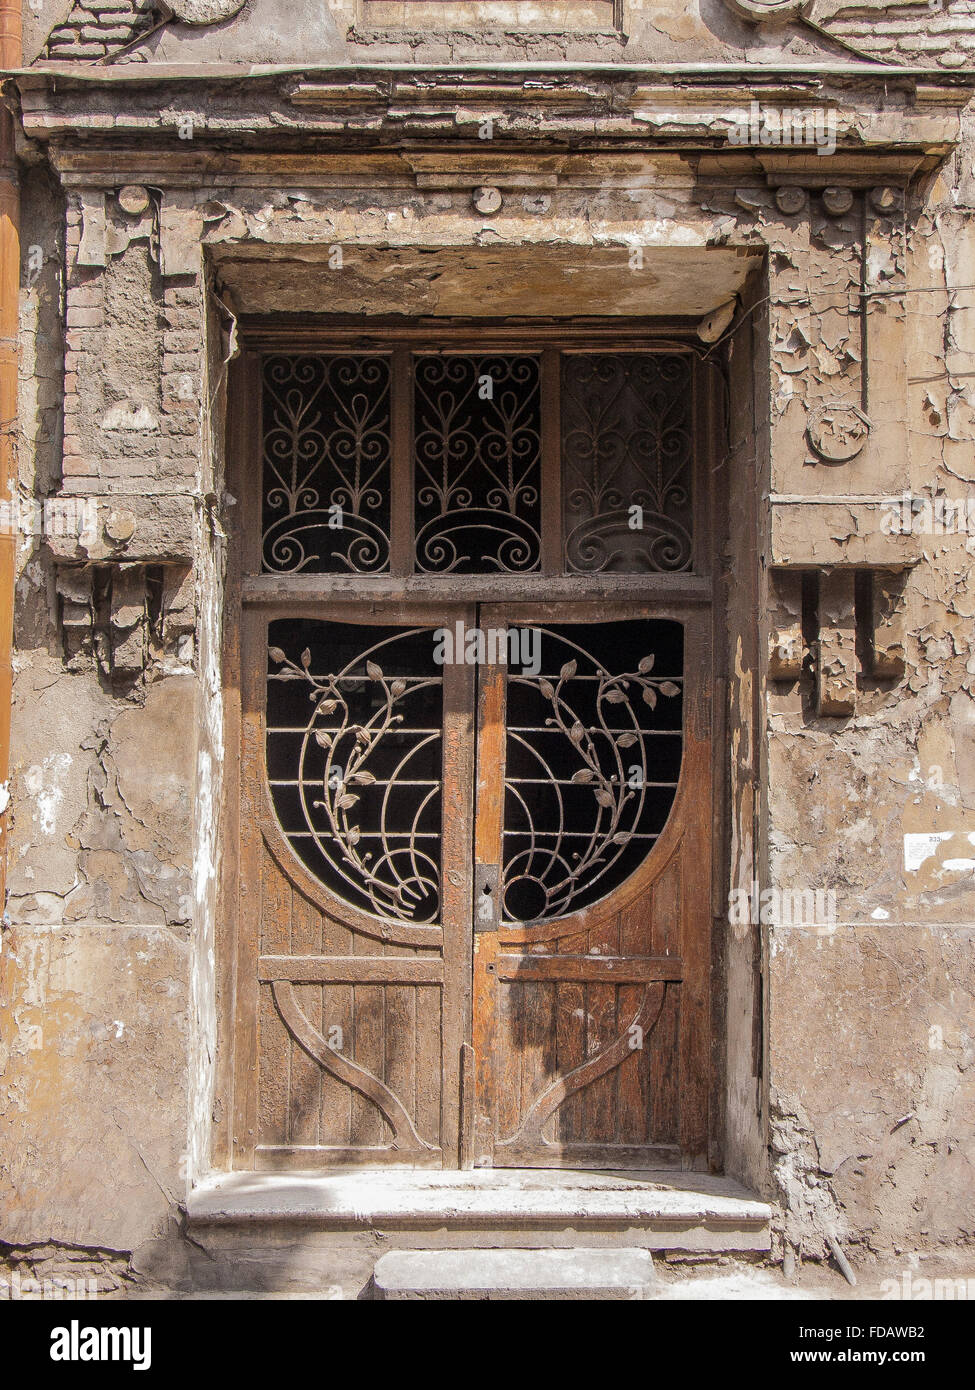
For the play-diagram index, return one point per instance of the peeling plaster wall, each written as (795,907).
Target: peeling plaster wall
(747,468)
(323,31)
(870,1023)
(95,967)
(847,1043)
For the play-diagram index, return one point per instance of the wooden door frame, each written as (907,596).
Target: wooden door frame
(245,587)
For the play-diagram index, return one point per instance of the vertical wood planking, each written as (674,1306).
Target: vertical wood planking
(306,1074)
(336,1119)
(632,1084)
(599,1097)
(399,1033)
(275,1042)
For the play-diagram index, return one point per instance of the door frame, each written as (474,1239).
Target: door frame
(247,590)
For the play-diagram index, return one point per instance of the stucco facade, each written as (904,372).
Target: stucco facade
(808,182)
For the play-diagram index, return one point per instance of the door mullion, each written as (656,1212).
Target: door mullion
(488,840)
(457,881)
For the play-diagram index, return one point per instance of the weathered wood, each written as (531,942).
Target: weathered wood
(365,1040)
(593,969)
(332,969)
(282,594)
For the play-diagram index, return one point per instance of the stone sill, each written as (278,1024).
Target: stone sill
(675,1210)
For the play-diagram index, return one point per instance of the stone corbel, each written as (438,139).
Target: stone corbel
(180,236)
(110,222)
(786,653)
(92,250)
(835,669)
(123,617)
(887,604)
(857,613)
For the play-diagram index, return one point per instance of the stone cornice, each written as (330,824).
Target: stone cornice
(697,115)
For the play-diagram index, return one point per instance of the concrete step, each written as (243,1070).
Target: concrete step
(306,1232)
(406,1275)
(657,1211)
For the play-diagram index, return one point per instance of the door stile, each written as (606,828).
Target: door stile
(247,998)
(696,884)
(457,885)
(488,823)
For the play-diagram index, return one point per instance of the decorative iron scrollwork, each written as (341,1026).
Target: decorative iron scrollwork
(477,448)
(626,452)
(593,763)
(326,464)
(357,786)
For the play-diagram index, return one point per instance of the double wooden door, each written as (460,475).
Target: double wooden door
(470,618)
(476,873)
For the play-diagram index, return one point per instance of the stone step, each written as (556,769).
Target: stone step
(660,1211)
(405,1275)
(295,1231)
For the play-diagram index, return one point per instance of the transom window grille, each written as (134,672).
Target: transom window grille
(556,462)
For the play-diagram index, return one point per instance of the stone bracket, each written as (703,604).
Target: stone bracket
(835,666)
(122,617)
(850,623)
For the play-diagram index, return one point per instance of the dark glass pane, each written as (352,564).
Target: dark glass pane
(593,759)
(354,758)
(477,444)
(326,465)
(626,459)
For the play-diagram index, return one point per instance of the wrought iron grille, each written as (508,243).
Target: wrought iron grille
(326,503)
(354,760)
(594,748)
(477,450)
(626,459)
(468,433)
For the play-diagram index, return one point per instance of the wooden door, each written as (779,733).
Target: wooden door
(470,905)
(354,986)
(592,886)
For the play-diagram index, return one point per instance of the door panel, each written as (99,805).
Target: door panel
(359,764)
(590,1013)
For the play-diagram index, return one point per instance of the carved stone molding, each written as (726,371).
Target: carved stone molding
(837,431)
(766,11)
(205,11)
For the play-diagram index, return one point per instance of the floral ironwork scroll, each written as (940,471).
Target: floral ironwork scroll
(593,763)
(477,448)
(326,461)
(356,783)
(627,451)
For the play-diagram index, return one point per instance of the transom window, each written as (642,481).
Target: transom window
(441,463)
